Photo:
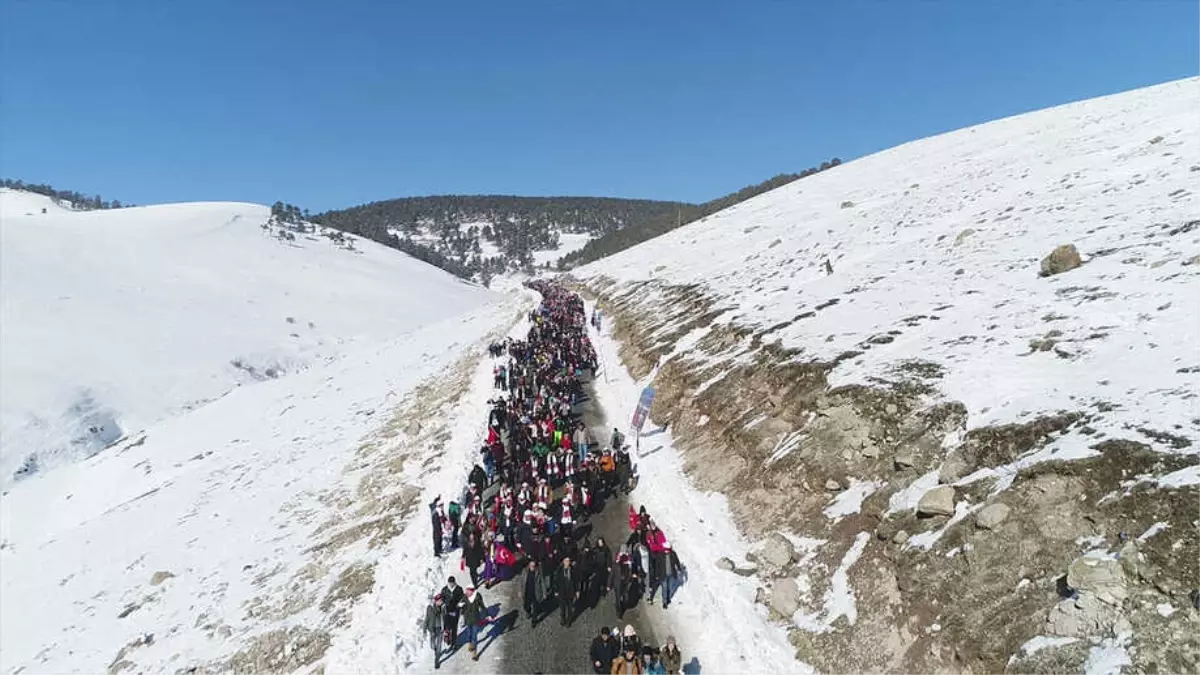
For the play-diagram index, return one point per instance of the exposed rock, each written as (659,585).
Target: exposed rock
(1085,616)
(962,236)
(900,537)
(281,651)
(724,563)
(785,597)
(1102,577)
(870,451)
(160,577)
(954,467)
(832,485)
(778,551)
(1062,259)
(904,459)
(937,502)
(761,596)
(990,516)
(745,571)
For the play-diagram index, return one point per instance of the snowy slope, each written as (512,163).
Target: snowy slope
(941,240)
(932,300)
(116,320)
(242,514)
(264,511)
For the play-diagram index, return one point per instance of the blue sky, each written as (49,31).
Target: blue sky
(328,104)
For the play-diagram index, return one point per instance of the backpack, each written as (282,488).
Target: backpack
(454,511)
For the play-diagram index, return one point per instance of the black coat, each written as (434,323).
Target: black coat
(535,585)
(452,600)
(473,554)
(567,582)
(603,650)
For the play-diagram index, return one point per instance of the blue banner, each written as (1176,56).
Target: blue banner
(643,408)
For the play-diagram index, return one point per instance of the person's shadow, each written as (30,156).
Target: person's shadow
(499,627)
(692,667)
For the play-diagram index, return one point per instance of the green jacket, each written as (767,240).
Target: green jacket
(474,609)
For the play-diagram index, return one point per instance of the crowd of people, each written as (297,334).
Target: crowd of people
(541,476)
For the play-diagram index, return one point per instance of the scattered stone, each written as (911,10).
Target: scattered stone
(745,571)
(760,596)
(724,563)
(832,485)
(785,597)
(1102,577)
(937,502)
(1062,259)
(778,550)
(847,205)
(962,236)
(129,609)
(990,516)
(904,459)
(160,577)
(870,451)
(751,556)
(900,537)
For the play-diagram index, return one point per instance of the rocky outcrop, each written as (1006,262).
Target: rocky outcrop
(785,597)
(991,516)
(937,502)
(1062,259)
(777,552)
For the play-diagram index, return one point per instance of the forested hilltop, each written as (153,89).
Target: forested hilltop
(483,235)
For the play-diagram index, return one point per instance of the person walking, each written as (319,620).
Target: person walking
(433,629)
(672,659)
(452,599)
(472,557)
(670,570)
(535,591)
(474,615)
(436,519)
(629,664)
(567,590)
(602,652)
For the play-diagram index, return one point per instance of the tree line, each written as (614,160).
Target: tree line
(636,233)
(77,200)
(447,230)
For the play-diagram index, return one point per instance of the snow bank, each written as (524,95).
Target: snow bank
(713,616)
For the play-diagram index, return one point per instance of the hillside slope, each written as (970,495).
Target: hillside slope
(207,517)
(830,352)
(115,320)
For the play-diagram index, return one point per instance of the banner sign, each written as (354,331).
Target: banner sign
(643,408)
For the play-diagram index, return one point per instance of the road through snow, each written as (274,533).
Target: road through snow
(550,647)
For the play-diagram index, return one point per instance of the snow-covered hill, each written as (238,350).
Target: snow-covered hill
(831,350)
(116,320)
(241,513)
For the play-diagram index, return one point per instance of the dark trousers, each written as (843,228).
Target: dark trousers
(566,609)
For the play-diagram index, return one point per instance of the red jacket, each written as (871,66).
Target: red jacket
(633,519)
(655,540)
